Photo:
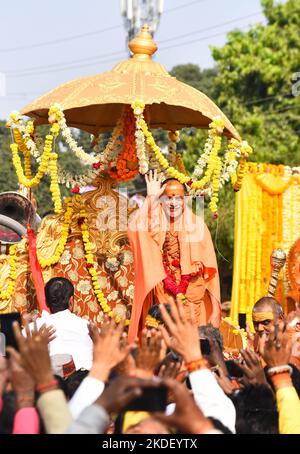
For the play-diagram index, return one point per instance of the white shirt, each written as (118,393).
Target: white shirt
(72,337)
(211,398)
(87,393)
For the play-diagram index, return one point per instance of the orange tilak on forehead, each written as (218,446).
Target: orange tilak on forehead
(174,189)
(261,316)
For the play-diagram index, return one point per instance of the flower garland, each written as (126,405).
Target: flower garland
(31,183)
(127,165)
(172,148)
(211,160)
(50,261)
(83,221)
(230,160)
(54,188)
(237,177)
(180,164)
(141,150)
(56,114)
(204,157)
(7,294)
(215,188)
(25,151)
(274,185)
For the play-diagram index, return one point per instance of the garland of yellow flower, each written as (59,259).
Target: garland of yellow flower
(25,151)
(54,188)
(48,160)
(172,171)
(32,182)
(91,267)
(237,178)
(215,187)
(50,261)
(274,185)
(6,294)
(214,165)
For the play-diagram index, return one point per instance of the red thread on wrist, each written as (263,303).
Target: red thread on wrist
(282,380)
(198,364)
(42,388)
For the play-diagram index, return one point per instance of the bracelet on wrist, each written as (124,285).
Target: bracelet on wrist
(198,364)
(25,398)
(286,368)
(282,380)
(44,387)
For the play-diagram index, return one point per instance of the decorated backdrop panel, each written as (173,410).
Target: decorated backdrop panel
(267,216)
(115,276)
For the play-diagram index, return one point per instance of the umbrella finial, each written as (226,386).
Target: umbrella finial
(143,45)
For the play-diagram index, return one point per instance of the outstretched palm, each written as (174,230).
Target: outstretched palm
(153,182)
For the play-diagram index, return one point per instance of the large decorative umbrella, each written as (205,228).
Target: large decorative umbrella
(95,103)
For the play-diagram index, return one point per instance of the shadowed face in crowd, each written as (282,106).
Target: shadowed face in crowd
(173,199)
(264,315)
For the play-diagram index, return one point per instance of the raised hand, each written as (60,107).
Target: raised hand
(34,355)
(252,368)
(276,348)
(148,353)
(153,182)
(170,369)
(182,334)
(224,381)
(22,383)
(48,332)
(109,348)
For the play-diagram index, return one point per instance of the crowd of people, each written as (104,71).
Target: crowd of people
(70,377)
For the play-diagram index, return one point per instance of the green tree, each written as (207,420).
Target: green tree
(202,80)
(254,83)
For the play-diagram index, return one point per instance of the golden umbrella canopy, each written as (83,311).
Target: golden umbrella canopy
(95,103)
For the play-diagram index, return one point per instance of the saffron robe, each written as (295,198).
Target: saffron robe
(147,232)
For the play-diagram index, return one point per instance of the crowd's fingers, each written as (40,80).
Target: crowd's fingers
(18,335)
(93,331)
(28,331)
(175,313)
(120,326)
(144,339)
(249,356)
(16,356)
(155,340)
(167,319)
(166,336)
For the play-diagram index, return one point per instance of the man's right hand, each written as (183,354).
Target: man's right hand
(153,182)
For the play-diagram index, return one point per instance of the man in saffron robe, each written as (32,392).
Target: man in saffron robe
(173,256)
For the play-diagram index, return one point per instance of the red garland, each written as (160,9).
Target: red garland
(170,282)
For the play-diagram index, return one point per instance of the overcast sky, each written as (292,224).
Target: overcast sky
(27,26)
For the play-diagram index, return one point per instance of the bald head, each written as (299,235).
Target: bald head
(173,198)
(264,313)
(268,303)
(173,187)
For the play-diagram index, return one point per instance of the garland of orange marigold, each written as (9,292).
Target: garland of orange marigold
(127,166)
